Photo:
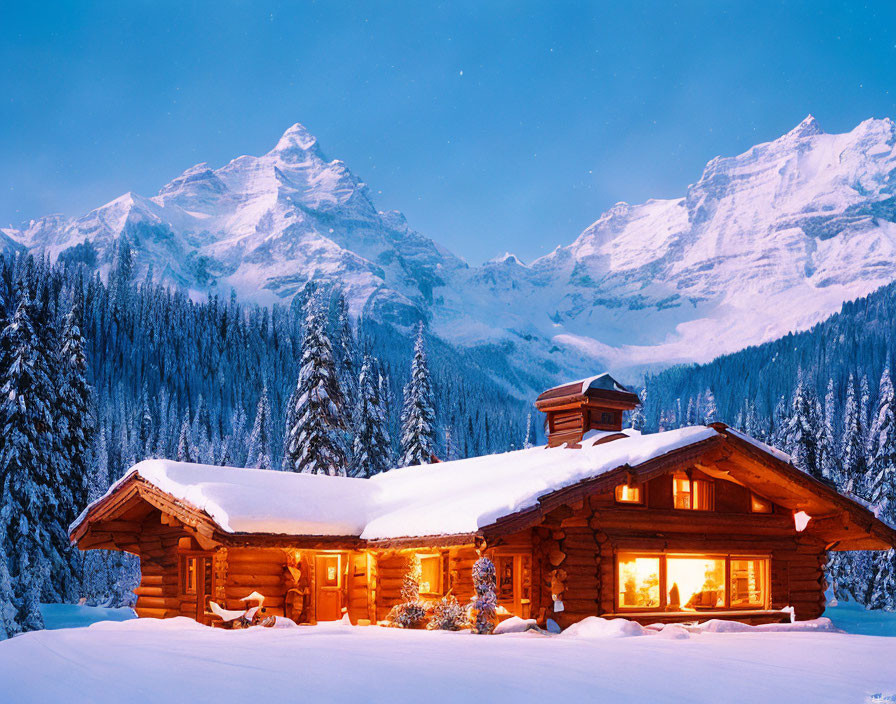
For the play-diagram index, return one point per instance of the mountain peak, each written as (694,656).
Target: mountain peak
(296,137)
(809,127)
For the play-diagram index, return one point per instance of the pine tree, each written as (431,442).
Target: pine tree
(638,421)
(710,411)
(9,625)
(882,445)
(830,464)
(314,440)
(527,439)
(75,435)
(184,445)
(802,430)
(259,453)
(418,412)
(26,466)
(145,424)
(853,465)
(372,452)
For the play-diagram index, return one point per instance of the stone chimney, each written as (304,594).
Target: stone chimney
(590,404)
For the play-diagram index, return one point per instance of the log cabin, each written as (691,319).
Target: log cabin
(683,525)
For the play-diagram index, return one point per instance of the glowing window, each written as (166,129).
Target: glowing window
(430,573)
(749,582)
(694,494)
(639,582)
(629,494)
(760,505)
(695,583)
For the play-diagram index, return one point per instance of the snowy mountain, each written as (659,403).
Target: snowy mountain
(263,226)
(766,242)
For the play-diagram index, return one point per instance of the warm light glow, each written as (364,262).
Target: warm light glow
(692,582)
(430,569)
(693,494)
(801,520)
(749,582)
(681,491)
(695,583)
(639,582)
(760,505)
(628,494)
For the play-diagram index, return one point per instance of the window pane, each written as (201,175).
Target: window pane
(430,566)
(639,582)
(331,571)
(695,583)
(504,570)
(749,579)
(681,491)
(628,494)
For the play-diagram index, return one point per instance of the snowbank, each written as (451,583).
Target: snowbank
(596,627)
(147,661)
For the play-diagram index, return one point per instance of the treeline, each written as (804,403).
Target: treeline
(98,375)
(826,397)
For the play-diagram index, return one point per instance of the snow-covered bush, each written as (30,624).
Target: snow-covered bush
(485,604)
(407,615)
(448,615)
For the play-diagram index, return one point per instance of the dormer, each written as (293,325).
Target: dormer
(575,408)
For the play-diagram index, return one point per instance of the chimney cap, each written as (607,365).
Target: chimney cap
(601,386)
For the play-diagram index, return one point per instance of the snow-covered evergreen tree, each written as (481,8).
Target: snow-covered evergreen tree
(418,412)
(637,420)
(75,435)
(9,625)
(314,440)
(853,464)
(801,438)
(882,444)
(528,440)
(28,466)
(372,452)
(709,410)
(830,461)
(258,455)
(185,451)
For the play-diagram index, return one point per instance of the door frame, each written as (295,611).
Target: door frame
(319,587)
(203,590)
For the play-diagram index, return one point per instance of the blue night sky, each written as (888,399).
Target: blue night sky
(493,126)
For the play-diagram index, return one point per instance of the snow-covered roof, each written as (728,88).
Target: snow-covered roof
(446,498)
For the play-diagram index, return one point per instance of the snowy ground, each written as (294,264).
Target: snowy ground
(179,660)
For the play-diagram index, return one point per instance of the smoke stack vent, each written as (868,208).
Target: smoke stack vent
(590,404)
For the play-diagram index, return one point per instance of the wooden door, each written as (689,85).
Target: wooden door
(328,587)
(197,584)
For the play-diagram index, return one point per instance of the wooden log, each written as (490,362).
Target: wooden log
(254,580)
(155,576)
(143,612)
(155,602)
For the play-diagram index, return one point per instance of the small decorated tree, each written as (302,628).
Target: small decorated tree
(448,615)
(486,602)
(411,612)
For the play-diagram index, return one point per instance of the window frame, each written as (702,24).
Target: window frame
(438,588)
(664,587)
(691,479)
(642,494)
